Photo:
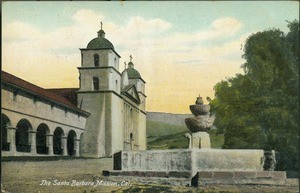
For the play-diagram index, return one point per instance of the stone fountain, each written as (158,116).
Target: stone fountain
(198,165)
(199,125)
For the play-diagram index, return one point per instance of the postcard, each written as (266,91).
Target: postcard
(144,96)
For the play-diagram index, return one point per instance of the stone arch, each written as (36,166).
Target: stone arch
(71,142)
(81,144)
(22,136)
(5,122)
(57,141)
(41,139)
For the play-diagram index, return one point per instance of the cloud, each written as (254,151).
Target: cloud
(167,60)
(138,25)
(91,20)
(227,24)
(87,17)
(21,31)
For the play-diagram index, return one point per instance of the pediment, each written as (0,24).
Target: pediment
(131,92)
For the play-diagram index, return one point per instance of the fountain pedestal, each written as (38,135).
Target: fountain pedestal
(199,125)
(198,140)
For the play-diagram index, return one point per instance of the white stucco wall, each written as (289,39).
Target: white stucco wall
(117,123)
(106,58)
(94,137)
(37,112)
(142,132)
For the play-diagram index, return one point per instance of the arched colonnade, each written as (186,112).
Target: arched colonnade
(22,138)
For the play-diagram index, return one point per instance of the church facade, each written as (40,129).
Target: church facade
(106,114)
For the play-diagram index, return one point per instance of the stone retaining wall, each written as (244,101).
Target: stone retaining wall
(192,160)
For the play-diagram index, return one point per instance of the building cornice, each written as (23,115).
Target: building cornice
(85,49)
(138,78)
(113,92)
(41,97)
(99,67)
(142,94)
(42,118)
(144,112)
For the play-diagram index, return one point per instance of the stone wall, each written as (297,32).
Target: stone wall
(156,160)
(227,160)
(192,160)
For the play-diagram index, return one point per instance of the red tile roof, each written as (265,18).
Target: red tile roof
(11,79)
(68,93)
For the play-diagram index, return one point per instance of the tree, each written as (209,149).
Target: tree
(260,109)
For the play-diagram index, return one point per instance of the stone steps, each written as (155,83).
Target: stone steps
(241,177)
(204,177)
(158,174)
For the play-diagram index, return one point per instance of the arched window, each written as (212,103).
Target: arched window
(96,60)
(117,85)
(115,63)
(95,83)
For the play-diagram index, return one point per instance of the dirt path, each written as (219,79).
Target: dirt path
(85,176)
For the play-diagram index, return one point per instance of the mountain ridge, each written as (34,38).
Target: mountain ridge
(169,118)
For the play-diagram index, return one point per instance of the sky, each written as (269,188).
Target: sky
(181,48)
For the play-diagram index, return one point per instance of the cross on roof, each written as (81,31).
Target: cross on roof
(101,24)
(130,58)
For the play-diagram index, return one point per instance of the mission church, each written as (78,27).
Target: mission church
(104,115)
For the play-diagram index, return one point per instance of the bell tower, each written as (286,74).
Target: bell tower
(99,85)
(99,65)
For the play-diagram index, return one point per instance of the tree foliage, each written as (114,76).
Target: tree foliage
(260,109)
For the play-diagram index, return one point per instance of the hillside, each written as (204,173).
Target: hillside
(169,118)
(166,131)
(179,141)
(159,129)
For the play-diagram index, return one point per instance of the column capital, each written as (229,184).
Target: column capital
(11,128)
(31,131)
(49,135)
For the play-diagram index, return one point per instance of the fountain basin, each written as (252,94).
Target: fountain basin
(199,109)
(200,123)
